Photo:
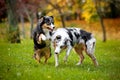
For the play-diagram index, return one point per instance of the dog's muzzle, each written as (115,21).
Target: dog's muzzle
(51,29)
(56,53)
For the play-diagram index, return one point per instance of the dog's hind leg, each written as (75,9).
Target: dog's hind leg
(93,59)
(92,56)
(38,58)
(89,48)
(45,60)
(47,56)
(79,50)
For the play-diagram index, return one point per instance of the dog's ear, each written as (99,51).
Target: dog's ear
(41,19)
(41,16)
(51,16)
(58,37)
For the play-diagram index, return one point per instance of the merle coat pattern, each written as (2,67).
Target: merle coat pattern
(73,38)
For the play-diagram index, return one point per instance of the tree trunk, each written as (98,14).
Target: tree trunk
(31,26)
(22,24)
(30,18)
(63,21)
(113,9)
(57,7)
(62,18)
(103,29)
(98,8)
(13,31)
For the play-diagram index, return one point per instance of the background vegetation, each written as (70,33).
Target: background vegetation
(16,63)
(19,17)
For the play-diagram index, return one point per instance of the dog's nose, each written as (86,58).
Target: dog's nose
(56,53)
(53,27)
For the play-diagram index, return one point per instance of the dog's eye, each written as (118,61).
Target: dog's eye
(61,46)
(58,37)
(47,21)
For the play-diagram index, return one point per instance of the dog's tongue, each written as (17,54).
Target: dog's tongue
(50,29)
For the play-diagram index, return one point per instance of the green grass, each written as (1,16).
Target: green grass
(16,63)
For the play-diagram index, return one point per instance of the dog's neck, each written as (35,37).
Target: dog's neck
(40,29)
(48,34)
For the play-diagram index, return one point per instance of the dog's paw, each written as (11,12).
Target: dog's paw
(96,64)
(56,65)
(43,37)
(78,63)
(65,59)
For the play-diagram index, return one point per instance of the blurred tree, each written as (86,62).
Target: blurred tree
(74,7)
(92,10)
(115,8)
(28,7)
(89,12)
(99,12)
(58,6)
(23,27)
(3,13)
(13,33)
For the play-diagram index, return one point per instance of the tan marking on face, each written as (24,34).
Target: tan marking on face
(64,47)
(45,26)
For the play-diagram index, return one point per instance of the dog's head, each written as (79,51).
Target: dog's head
(60,43)
(47,22)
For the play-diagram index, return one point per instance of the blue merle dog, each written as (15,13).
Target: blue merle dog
(73,38)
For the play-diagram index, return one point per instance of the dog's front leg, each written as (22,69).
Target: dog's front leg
(67,53)
(56,59)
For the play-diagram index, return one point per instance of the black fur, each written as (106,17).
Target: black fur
(43,48)
(85,35)
(50,33)
(35,39)
(39,30)
(70,35)
(76,35)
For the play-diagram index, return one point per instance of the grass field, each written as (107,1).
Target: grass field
(16,63)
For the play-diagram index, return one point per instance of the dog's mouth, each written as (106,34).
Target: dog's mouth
(50,29)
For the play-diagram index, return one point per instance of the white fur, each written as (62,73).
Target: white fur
(90,46)
(43,37)
(61,42)
(52,26)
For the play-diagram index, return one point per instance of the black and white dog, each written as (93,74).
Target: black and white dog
(73,38)
(39,37)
